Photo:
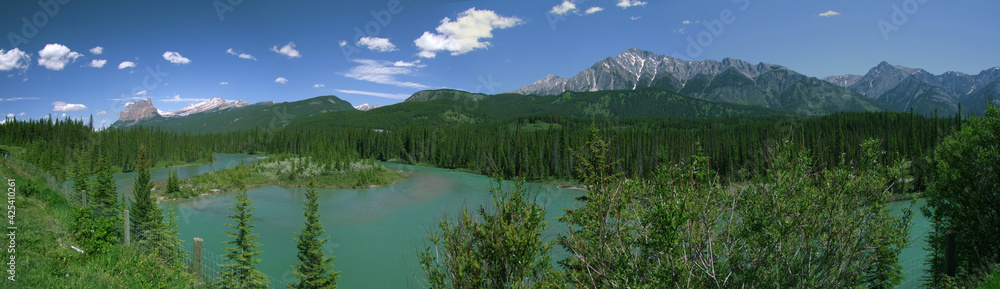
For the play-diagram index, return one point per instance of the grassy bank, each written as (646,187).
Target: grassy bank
(285,171)
(45,257)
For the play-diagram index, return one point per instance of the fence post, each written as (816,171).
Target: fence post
(950,262)
(127,233)
(196,260)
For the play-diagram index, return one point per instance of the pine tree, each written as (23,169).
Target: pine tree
(314,270)
(147,217)
(173,184)
(241,272)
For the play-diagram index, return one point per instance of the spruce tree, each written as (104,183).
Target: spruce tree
(146,216)
(314,270)
(241,272)
(173,184)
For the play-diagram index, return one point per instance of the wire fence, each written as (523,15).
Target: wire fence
(149,238)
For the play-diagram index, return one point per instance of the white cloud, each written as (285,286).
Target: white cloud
(224,83)
(98,63)
(22,113)
(463,34)
(175,58)
(178,98)
(563,8)
(635,18)
(102,112)
(382,72)
(829,13)
(97,50)
(318,85)
(10,115)
(55,56)
(593,10)
(63,115)
(342,43)
(63,106)
(629,3)
(17,98)
(287,50)
(686,22)
(415,63)
(679,30)
(126,64)
(241,54)
(376,44)
(375,94)
(14,58)
(281,80)
(141,93)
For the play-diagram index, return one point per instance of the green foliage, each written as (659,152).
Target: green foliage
(790,228)
(314,269)
(963,197)
(98,227)
(241,272)
(498,248)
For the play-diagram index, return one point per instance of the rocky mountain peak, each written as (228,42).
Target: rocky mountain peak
(139,110)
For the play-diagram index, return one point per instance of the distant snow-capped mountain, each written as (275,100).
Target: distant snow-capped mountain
(367,107)
(213,104)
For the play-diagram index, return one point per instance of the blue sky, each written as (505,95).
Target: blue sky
(180,52)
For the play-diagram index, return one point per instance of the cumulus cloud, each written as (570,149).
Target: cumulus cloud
(287,50)
(97,50)
(14,58)
(240,54)
(98,63)
(126,64)
(382,72)
(281,80)
(17,98)
(630,3)
(224,83)
(10,115)
(102,112)
(318,85)
(829,13)
(464,34)
(375,94)
(175,58)
(563,8)
(376,44)
(342,43)
(178,98)
(593,10)
(63,106)
(686,22)
(55,56)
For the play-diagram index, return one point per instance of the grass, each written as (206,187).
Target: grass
(286,171)
(45,257)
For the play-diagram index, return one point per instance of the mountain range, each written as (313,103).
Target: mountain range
(773,86)
(903,88)
(635,83)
